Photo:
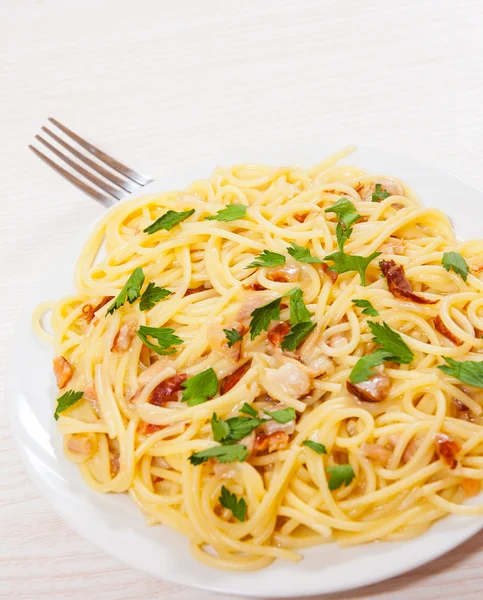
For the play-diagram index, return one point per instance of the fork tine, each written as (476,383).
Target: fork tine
(127,185)
(72,178)
(114,164)
(116,193)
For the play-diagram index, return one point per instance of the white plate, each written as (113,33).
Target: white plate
(113,523)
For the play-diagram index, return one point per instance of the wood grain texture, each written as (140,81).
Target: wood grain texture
(156,83)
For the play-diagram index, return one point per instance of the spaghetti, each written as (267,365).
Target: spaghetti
(251,430)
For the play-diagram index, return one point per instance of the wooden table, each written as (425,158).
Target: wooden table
(158,82)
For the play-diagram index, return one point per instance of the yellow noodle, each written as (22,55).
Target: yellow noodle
(123,442)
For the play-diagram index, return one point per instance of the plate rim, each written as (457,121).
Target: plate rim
(44,488)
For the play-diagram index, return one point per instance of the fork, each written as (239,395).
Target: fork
(123,186)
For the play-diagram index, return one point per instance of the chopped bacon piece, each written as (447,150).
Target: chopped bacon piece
(255,286)
(190,291)
(398,285)
(79,444)
(148,428)
(231,380)
(443,330)
(447,449)
(63,371)
(375,389)
(300,217)
(284,274)
(376,452)
(276,334)
(124,337)
(273,442)
(471,487)
(329,272)
(89,310)
(167,390)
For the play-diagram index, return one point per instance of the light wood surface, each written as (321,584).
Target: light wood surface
(156,82)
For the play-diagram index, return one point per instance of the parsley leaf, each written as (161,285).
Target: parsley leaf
(298,310)
(302,254)
(267,259)
(344,263)
(345,211)
(219,427)
(297,335)
(224,454)
(315,446)
(468,371)
(263,316)
(169,220)
(282,416)
(165,336)
(233,336)
(233,429)
(380,193)
(230,213)
(152,294)
(391,341)
(393,348)
(363,368)
(200,387)
(130,291)
(454,260)
(367,306)
(249,410)
(66,401)
(340,474)
(342,234)
(347,214)
(229,501)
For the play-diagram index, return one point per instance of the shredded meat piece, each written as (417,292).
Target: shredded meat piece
(251,304)
(291,378)
(376,452)
(471,487)
(393,246)
(284,274)
(224,470)
(63,371)
(90,394)
(276,333)
(462,411)
(79,444)
(447,449)
(300,217)
(89,310)
(148,428)
(443,330)
(273,442)
(218,341)
(167,390)
(398,285)
(375,389)
(114,462)
(392,187)
(328,272)
(124,337)
(231,380)
(255,286)
(190,291)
